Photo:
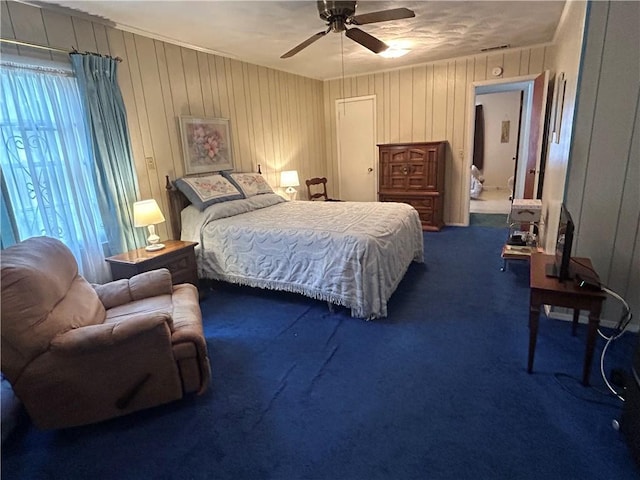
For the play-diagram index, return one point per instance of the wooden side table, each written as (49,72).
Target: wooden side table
(549,291)
(178,256)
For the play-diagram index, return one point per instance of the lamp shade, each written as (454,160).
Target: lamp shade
(289,178)
(146,212)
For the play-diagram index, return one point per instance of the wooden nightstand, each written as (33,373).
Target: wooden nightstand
(178,256)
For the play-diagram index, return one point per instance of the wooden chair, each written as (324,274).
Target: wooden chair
(319,194)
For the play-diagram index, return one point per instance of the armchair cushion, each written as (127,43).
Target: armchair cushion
(143,285)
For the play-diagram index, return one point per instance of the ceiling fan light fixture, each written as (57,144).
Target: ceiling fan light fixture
(397,48)
(394,52)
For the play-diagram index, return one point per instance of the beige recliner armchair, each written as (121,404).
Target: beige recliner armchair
(77,353)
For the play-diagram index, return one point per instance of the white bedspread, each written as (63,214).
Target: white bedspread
(348,253)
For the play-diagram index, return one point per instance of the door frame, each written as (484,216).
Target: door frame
(338,104)
(524,83)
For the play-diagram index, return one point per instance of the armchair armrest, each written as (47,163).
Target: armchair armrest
(143,285)
(108,335)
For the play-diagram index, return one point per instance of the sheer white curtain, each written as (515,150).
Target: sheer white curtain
(46,163)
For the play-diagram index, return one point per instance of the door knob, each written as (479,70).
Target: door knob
(369,169)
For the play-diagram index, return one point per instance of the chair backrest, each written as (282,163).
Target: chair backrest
(42,295)
(319,194)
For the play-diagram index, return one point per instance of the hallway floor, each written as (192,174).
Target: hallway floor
(492,200)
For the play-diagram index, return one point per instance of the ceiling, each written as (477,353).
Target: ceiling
(259,32)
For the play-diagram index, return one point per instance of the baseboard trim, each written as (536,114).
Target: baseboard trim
(567,317)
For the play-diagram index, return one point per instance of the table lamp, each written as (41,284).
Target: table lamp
(146,213)
(289,179)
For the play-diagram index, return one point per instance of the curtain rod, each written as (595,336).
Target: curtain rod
(34,45)
(54,49)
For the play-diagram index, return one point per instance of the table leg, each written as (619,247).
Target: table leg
(592,334)
(534,317)
(574,326)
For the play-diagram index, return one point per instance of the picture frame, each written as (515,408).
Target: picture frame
(557,107)
(206,144)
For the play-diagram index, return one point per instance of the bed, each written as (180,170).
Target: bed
(352,254)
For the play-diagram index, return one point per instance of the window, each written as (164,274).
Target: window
(47,164)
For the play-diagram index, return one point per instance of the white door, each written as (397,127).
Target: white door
(357,156)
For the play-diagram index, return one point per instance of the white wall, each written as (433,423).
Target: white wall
(498,157)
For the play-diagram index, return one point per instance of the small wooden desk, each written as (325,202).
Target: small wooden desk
(549,291)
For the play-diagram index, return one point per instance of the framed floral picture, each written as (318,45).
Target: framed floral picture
(206,144)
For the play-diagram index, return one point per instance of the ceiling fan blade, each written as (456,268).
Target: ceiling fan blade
(305,44)
(366,40)
(382,16)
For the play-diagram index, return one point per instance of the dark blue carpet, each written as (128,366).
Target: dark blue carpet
(438,390)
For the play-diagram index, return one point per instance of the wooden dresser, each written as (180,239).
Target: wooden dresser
(413,173)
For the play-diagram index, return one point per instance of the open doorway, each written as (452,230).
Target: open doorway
(526,175)
(496,136)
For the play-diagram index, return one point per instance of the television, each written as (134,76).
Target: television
(560,266)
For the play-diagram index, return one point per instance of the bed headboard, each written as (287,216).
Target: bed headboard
(177,202)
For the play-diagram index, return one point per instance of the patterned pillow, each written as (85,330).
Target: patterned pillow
(249,184)
(205,191)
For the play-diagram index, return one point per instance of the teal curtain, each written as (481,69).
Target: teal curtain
(107,124)
(8,227)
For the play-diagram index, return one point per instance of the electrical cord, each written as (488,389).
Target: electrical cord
(619,330)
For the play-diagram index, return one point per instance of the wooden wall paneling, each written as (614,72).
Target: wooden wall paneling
(387,108)
(242,125)
(214,90)
(60,34)
(267,123)
(205,84)
(394,106)
(332,141)
(457,194)
(611,139)
(277,117)
(536,60)
(173,164)
(255,116)
(451,170)
(439,102)
(428,115)
(306,107)
(232,110)
(405,104)
(102,43)
(6,27)
(627,234)
(378,90)
(512,63)
(525,56)
(219,91)
(28,26)
(480,68)
(192,82)
(320,164)
(249,109)
(141,114)
(419,103)
(156,117)
(362,85)
(84,35)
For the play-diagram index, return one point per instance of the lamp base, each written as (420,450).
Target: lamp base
(154,247)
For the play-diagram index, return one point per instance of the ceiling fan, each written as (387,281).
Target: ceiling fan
(340,14)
